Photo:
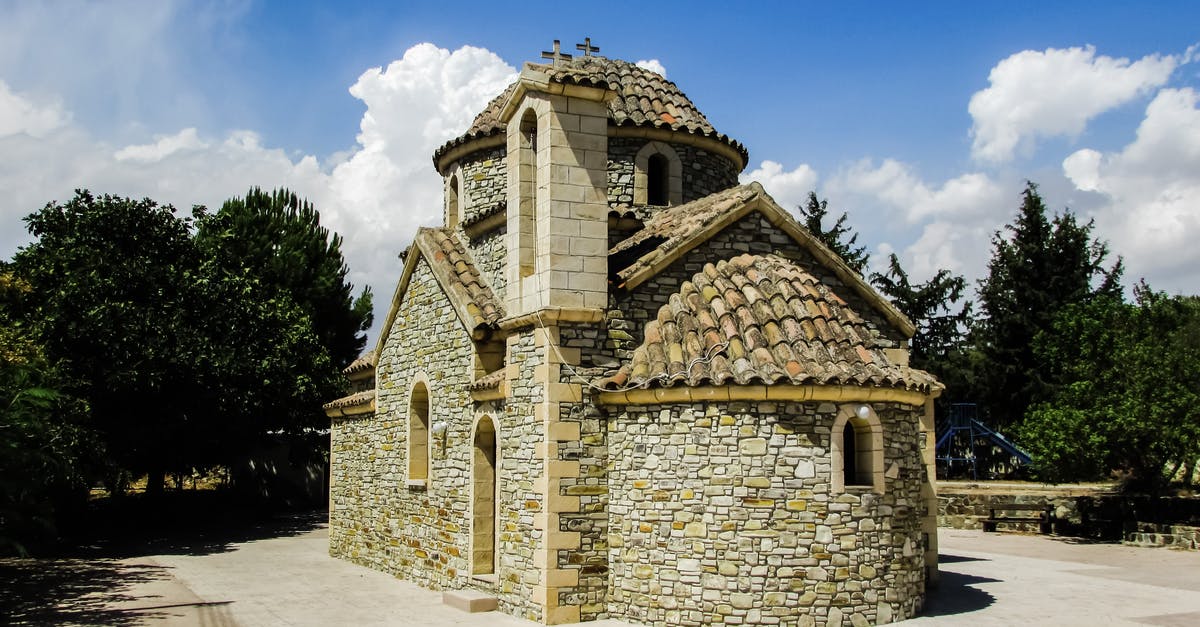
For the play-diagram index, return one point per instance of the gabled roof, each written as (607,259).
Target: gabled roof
(675,231)
(473,300)
(760,319)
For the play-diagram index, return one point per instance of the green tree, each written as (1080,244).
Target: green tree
(277,239)
(1040,268)
(935,307)
(838,237)
(112,299)
(1129,398)
(941,315)
(45,446)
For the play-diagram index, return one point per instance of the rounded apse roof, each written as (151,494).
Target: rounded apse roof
(643,98)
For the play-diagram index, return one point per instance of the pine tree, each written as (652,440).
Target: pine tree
(838,237)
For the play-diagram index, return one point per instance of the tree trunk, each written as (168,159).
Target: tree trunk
(154,482)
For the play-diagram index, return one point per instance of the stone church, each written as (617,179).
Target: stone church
(617,384)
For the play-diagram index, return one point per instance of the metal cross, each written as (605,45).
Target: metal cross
(587,47)
(557,55)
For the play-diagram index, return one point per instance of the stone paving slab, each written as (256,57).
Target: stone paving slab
(1009,579)
(987,579)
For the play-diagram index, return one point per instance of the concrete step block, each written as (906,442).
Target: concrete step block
(470,600)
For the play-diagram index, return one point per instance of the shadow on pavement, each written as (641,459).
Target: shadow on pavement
(66,591)
(96,567)
(954,559)
(956,594)
(195,523)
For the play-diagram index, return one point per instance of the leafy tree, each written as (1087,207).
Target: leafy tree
(1043,266)
(44,441)
(838,237)
(111,291)
(277,239)
(1129,399)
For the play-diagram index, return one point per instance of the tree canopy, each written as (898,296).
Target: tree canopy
(839,238)
(1042,266)
(1128,397)
(191,346)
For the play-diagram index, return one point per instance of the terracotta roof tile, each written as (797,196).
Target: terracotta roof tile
(759,319)
(365,362)
(489,381)
(356,399)
(451,262)
(644,98)
(669,228)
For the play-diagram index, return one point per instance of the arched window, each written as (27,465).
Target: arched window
(657,175)
(857,449)
(527,177)
(452,209)
(483,498)
(418,433)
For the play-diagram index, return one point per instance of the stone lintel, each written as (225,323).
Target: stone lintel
(548,316)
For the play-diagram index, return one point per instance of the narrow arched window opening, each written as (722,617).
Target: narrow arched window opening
(452,210)
(857,471)
(483,499)
(657,171)
(418,433)
(527,176)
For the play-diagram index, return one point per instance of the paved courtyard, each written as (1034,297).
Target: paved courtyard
(287,578)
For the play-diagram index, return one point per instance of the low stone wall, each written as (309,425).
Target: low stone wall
(1082,510)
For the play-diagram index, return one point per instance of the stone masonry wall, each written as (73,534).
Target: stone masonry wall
(704,173)
(723,513)
(484,182)
(630,311)
(373,512)
(520,469)
(423,535)
(591,485)
(490,254)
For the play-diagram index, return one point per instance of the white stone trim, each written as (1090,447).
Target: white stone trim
(492,576)
(848,413)
(411,478)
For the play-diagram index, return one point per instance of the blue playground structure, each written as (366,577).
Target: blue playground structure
(962,434)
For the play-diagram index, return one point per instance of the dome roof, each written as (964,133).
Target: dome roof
(644,98)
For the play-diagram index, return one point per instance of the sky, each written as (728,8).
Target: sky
(922,121)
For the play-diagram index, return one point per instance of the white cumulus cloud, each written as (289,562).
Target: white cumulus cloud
(20,114)
(956,218)
(164,146)
(789,188)
(654,65)
(1151,191)
(375,196)
(1056,92)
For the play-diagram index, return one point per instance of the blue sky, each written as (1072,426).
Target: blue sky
(922,120)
